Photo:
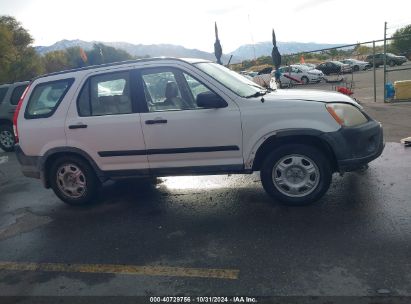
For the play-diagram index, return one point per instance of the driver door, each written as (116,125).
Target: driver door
(180,134)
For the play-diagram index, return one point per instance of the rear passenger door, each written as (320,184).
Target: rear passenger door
(103,122)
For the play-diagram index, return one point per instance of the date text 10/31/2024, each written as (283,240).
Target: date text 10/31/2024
(235,299)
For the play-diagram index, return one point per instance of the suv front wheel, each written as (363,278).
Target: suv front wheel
(296,174)
(73,180)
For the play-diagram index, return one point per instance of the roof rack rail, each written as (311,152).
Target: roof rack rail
(107,65)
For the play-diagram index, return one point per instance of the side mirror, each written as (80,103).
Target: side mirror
(210,100)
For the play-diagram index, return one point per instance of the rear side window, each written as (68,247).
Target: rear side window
(46,97)
(17,92)
(3,92)
(107,94)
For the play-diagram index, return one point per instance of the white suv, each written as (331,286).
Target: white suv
(164,116)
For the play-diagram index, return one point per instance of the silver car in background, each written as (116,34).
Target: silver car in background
(356,65)
(301,73)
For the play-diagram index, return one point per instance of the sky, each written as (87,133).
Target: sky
(191,23)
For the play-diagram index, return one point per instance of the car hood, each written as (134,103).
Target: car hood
(309,95)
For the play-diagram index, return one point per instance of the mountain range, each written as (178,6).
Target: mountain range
(244,52)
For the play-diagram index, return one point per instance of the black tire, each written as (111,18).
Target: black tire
(392,63)
(7,139)
(322,174)
(304,80)
(356,68)
(63,165)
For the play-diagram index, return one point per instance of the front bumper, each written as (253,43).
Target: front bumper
(355,147)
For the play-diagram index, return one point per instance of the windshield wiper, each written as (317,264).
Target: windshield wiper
(257,94)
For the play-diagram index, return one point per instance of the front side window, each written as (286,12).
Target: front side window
(107,94)
(46,97)
(195,86)
(17,92)
(167,89)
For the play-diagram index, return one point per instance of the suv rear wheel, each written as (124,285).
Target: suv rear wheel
(6,138)
(296,174)
(73,180)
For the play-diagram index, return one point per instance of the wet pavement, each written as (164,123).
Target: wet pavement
(210,235)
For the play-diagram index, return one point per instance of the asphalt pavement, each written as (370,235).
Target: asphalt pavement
(210,235)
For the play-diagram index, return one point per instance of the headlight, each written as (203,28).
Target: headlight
(346,115)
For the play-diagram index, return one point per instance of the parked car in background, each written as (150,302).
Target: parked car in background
(356,65)
(249,74)
(265,79)
(308,65)
(168,116)
(9,97)
(391,60)
(334,67)
(406,54)
(301,73)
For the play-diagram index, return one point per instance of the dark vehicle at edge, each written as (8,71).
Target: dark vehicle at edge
(334,67)
(392,60)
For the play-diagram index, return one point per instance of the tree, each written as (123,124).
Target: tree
(74,57)
(18,59)
(401,42)
(102,53)
(56,61)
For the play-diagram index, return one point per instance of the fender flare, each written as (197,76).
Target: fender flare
(249,161)
(50,153)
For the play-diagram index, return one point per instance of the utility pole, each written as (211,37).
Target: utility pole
(385,59)
(373,68)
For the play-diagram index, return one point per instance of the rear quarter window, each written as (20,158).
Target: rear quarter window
(17,92)
(46,97)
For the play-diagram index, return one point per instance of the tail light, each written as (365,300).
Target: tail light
(16,114)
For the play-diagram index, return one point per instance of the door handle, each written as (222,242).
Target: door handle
(156,121)
(79,126)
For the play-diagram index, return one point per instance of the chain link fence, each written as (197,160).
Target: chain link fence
(368,71)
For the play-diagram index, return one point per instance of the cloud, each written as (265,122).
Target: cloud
(223,11)
(311,4)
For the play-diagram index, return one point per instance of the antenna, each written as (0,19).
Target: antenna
(251,35)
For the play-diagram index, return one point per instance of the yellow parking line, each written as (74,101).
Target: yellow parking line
(231,274)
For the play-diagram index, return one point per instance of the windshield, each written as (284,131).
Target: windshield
(232,80)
